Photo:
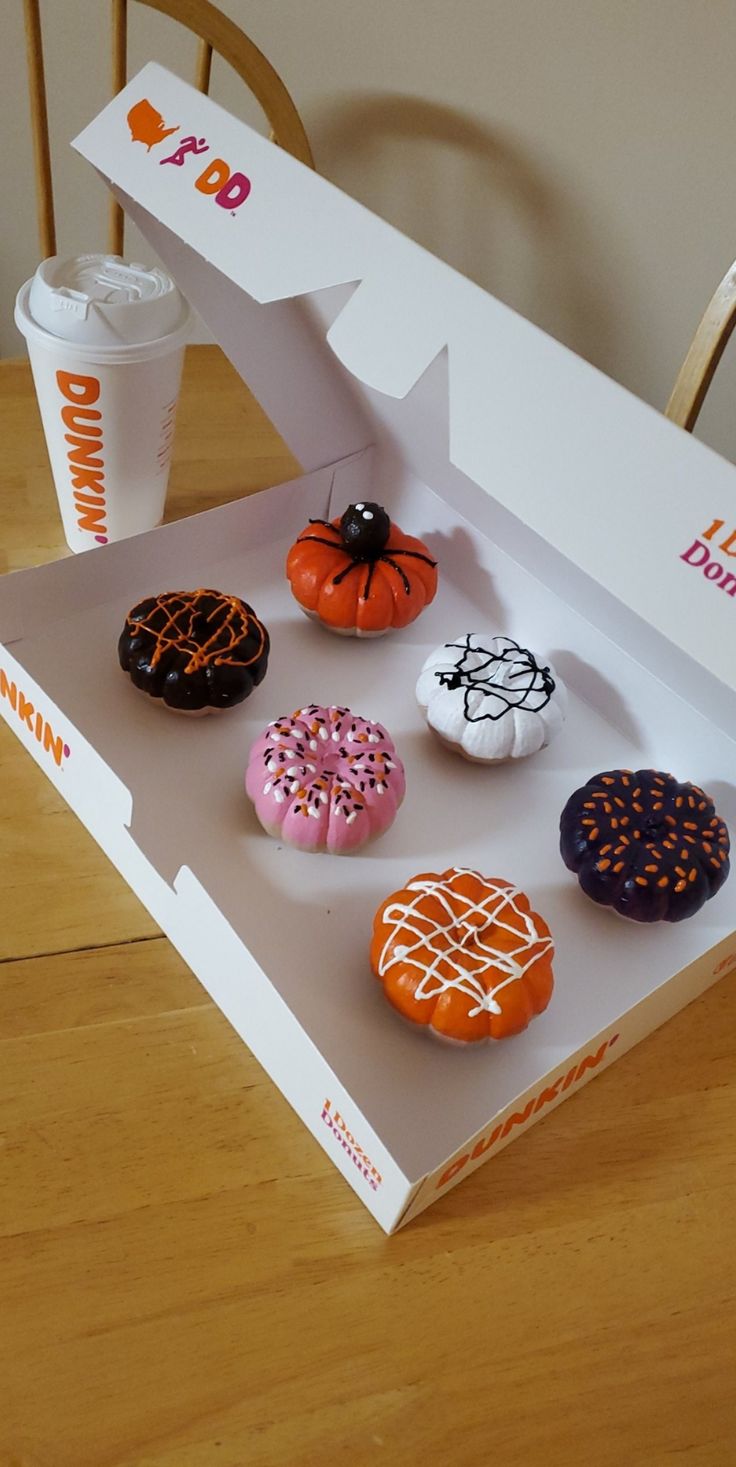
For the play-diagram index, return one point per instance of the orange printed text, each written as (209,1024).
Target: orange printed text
(355,1153)
(34,720)
(83,422)
(543,1098)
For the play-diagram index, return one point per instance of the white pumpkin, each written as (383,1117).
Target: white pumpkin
(491,699)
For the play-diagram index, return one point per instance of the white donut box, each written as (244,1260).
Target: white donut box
(563,512)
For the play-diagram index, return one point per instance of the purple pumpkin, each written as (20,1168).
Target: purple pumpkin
(640,842)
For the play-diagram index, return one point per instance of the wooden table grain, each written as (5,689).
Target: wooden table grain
(185,1281)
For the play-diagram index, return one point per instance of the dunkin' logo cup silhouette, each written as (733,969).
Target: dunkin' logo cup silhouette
(106,343)
(147,125)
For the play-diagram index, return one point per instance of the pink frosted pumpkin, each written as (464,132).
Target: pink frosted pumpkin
(324,779)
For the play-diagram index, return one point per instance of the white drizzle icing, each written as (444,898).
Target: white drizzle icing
(465,976)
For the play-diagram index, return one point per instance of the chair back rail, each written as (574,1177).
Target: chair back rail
(707,348)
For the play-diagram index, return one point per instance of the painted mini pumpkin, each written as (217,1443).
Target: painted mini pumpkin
(640,842)
(195,651)
(360,575)
(490,699)
(464,955)
(325,779)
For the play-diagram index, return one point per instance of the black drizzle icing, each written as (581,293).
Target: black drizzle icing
(531,686)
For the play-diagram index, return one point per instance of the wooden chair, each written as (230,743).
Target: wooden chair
(707,348)
(216,34)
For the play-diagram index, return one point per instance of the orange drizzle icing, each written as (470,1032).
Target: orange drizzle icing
(232,623)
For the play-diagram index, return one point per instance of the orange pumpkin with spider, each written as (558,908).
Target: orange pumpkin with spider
(359,574)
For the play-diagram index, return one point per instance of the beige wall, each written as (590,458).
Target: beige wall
(576,157)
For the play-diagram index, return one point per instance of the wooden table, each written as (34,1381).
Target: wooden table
(185,1280)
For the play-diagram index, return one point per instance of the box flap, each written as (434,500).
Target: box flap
(637,504)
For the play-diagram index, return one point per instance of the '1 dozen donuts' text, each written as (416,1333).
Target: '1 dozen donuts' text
(704,553)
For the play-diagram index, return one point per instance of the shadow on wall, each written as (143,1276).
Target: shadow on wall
(471,196)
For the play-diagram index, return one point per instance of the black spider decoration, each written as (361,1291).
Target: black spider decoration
(365,530)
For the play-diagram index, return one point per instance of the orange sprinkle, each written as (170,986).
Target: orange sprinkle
(594,834)
(663,881)
(692,874)
(603,865)
(680,886)
(618,867)
(605,850)
(641,880)
(650,868)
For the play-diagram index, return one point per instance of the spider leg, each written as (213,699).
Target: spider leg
(396,567)
(415,555)
(320,540)
(340,577)
(367,587)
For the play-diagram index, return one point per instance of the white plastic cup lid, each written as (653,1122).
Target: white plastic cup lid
(100,301)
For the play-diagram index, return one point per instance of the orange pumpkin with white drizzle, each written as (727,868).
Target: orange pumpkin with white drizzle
(464,955)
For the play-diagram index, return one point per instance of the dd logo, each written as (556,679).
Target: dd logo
(229,189)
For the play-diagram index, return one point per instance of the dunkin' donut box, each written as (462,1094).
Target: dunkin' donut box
(562,512)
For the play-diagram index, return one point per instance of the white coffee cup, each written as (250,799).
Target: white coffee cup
(106,343)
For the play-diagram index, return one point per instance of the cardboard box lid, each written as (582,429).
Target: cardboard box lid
(601,476)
